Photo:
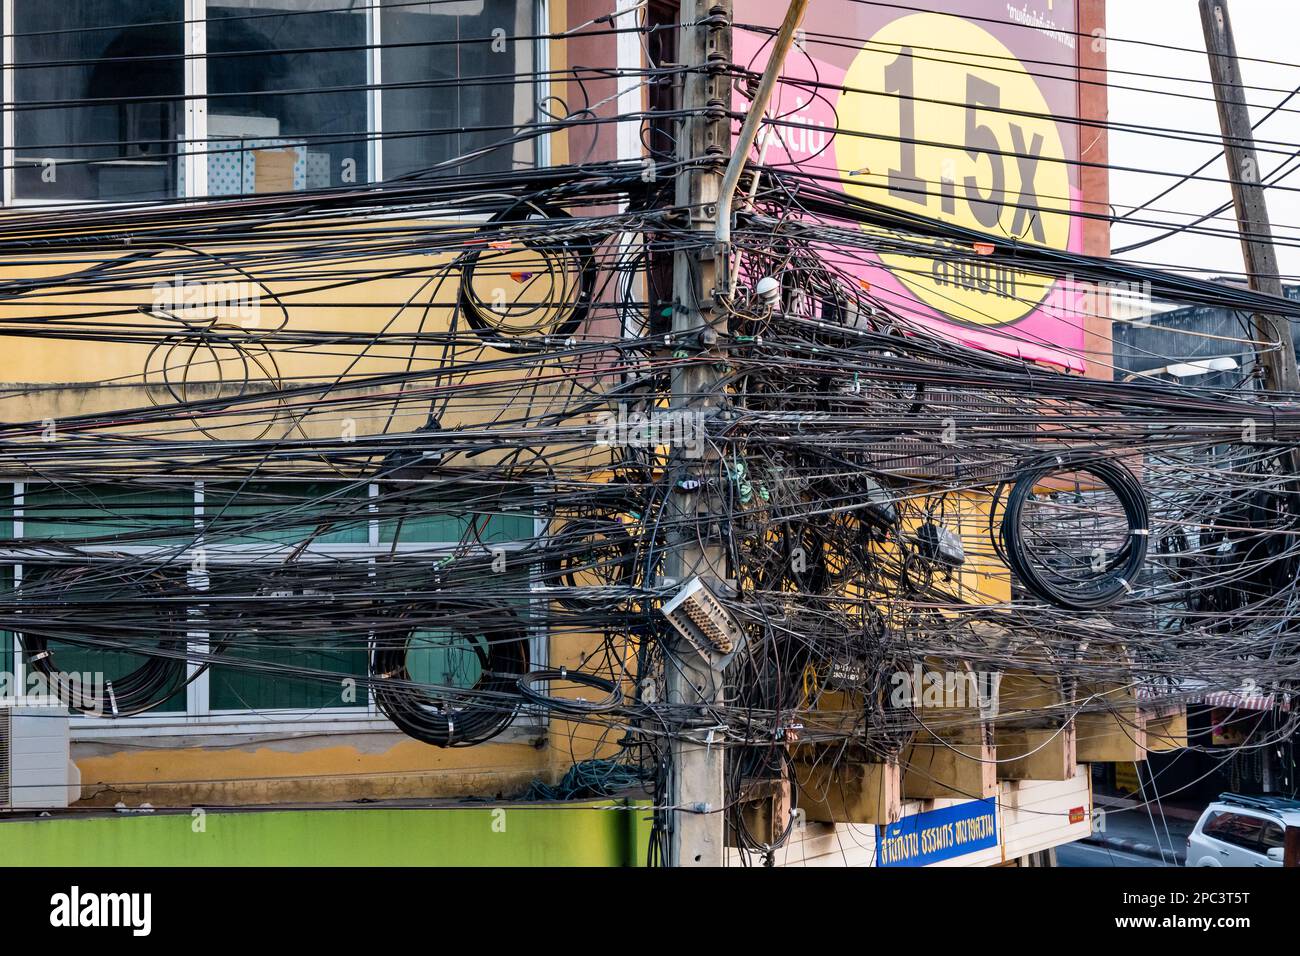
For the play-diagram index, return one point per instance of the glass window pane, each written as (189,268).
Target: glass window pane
(122,515)
(286,667)
(7,637)
(95,615)
(1272,838)
(287,103)
(1243,831)
(453,84)
(286,513)
(450,515)
(289,672)
(98,86)
(8,502)
(109,627)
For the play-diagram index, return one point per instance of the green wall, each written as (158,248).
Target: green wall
(609,833)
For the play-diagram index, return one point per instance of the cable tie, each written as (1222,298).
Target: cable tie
(112,698)
(1141,532)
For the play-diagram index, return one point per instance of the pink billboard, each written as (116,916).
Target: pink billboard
(967,117)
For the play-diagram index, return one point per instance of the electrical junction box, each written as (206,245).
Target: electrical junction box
(940,545)
(696,613)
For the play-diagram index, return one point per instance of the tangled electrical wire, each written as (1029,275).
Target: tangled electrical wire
(460,453)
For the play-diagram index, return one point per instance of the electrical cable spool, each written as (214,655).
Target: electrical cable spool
(1108,574)
(160,677)
(487,636)
(565,265)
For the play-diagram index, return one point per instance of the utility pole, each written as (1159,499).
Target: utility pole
(1253,225)
(1248,194)
(696,791)
(706,186)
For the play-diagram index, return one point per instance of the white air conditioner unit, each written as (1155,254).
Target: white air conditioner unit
(36,772)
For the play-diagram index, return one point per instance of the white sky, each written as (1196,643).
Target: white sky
(1266,29)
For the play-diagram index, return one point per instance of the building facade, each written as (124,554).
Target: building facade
(269,125)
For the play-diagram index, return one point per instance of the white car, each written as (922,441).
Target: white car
(1237,830)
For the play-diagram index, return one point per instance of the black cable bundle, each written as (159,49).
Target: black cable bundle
(159,637)
(1117,574)
(570,266)
(530,686)
(456,717)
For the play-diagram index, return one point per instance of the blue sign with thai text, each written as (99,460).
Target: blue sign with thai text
(936,835)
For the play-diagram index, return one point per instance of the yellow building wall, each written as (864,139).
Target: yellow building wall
(403,293)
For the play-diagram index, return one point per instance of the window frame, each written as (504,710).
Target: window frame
(192,149)
(198,717)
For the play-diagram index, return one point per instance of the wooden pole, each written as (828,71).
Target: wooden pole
(1253,224)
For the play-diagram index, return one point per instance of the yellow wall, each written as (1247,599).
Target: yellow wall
(402,294)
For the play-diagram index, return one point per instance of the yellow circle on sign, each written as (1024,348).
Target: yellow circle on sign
(963,137)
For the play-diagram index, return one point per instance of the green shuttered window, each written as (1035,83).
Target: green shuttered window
(229,540)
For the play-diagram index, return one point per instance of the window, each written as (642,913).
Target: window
(231,548)
(325,670)
(417,516)
(279,516)
(287,99)
(1239,829)
(114,609)
(99,86)
(108,514)
(116,619)
(1272,838)
(451,76)
(8,640)
(128,100)
(1217,823)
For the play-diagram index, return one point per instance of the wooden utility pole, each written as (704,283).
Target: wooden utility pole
(1252,215)
(697,821)
(1248,194)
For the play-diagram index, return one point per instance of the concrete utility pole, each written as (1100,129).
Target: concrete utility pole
(706,186)
(1247,192)
(698,836)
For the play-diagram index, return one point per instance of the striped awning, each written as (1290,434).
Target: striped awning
(1190,693)
(1242,701)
